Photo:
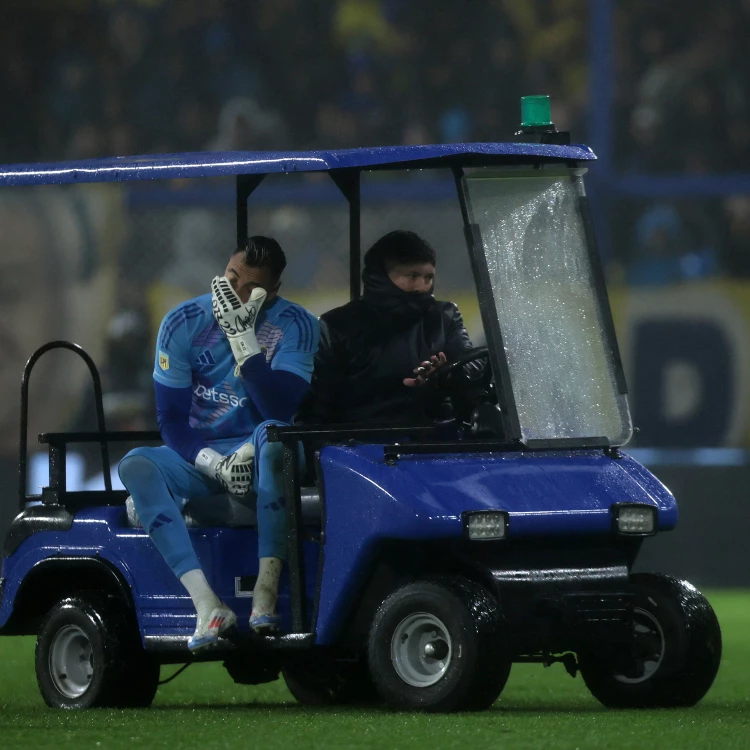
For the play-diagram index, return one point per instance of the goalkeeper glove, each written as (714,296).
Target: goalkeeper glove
(233,472)
(236,319)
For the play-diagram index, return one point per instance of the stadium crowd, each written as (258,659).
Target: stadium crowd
(87,78)
(83,79)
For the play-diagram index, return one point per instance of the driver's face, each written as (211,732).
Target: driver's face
(413,277)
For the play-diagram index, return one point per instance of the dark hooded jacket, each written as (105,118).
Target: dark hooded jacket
(368,347)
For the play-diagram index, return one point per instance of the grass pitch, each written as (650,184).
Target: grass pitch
(540,708)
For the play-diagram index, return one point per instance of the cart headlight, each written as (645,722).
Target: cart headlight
(481,525)
(635,519)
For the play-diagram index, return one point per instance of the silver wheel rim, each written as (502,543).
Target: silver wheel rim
(71,661)
(421,649)
(648,623)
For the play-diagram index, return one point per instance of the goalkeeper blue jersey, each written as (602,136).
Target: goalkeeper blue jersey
(192,351)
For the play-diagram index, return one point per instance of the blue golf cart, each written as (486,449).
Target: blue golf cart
(423,561)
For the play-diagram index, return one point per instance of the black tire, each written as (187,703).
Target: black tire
(458,621)
(677,651)
(97,637)
(319,678)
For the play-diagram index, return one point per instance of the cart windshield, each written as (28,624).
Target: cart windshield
(549,303)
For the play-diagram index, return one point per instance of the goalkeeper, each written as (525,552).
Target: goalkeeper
(227,365)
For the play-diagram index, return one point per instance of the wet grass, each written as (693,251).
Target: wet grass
(540,708)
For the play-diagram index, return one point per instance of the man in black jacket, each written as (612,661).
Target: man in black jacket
(377,353)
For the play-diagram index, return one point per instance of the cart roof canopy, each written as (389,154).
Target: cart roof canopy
(227,163)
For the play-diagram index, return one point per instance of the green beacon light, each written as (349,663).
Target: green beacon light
(536,122)
(535,112)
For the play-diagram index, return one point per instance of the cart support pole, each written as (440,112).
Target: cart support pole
(294,536)
(355,251)
(246,184)
(348,182)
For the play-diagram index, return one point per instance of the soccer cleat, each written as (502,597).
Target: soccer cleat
(265,624)
(207,631)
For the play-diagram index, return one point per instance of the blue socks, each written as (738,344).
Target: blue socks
(271,508)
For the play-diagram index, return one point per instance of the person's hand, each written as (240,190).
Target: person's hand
(233,472)
(236,319)
(426,369)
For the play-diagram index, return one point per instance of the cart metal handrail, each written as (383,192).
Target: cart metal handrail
(59,461)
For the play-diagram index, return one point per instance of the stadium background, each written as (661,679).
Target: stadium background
(660,91)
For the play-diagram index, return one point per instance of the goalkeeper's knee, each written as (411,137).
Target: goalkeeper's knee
(140,475)
(148,489)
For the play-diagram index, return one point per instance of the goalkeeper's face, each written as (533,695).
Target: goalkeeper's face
(245,278)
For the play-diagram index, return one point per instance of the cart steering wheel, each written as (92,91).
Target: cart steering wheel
(470,355)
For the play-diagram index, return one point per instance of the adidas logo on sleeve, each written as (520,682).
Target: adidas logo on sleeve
(206,358)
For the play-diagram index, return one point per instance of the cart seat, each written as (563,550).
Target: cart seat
(232,511)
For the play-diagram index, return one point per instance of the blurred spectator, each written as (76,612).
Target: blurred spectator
(736,247)
(57,272)
(664,253)
(360,26)
(73,96)
(455,126)
(126,374)
(363,104)
(245,126)
(228,73)
(689,92)
(334,125)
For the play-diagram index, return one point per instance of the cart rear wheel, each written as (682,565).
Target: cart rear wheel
(88,653)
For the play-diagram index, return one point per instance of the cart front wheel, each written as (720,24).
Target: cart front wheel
(675,653)
(439,645)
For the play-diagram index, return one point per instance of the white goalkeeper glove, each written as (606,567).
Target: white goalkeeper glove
(236,319)
(233,472)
